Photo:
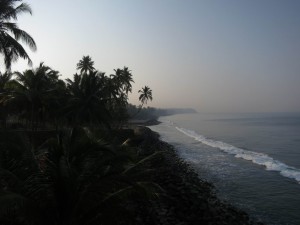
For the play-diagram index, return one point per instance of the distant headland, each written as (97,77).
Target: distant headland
(173,111)
(151,113)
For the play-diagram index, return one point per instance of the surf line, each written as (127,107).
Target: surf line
(257,158)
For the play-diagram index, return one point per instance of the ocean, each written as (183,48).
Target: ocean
(253,160)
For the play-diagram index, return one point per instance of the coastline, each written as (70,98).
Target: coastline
(176,195)
(188,199)
(150,122)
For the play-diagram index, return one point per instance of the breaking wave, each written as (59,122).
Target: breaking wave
(257,158)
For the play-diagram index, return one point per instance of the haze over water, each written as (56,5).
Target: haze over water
(253,159)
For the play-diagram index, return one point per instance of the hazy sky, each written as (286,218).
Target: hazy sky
(214,56)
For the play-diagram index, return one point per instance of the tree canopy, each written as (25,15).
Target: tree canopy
(38,98)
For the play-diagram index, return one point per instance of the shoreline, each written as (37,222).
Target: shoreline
(189,199)
(178,195)
(150,122)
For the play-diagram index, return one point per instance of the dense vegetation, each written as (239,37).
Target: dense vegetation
(64,160)
(74,177)
(61,161)
(61,158)
(151,113)
(37,98)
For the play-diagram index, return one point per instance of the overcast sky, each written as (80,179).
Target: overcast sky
(214,56)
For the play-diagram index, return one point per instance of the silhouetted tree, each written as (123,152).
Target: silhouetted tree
(5,80)
(32,93)
(10,33)
(123,79)
(39,97)
(85,65)
(86,102)
(120,86)
(146,94)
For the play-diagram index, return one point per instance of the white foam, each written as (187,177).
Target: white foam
(255,157)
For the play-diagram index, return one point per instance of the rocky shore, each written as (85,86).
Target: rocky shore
(133,178)
(186,198)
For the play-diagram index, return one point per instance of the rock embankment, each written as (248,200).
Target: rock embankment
(186,199)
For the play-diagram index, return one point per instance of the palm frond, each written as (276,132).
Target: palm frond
(12,50)
(12,12)
(142,161)
(9,46)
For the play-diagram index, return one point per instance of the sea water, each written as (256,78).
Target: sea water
(252,159)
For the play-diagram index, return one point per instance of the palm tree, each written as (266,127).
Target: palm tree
(87,99)
(146,94)
(11,34)
(86,64)
(123,78)
(5,80)
(73,179)
(33,92)
(119,85)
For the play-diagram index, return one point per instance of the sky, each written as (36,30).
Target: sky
(210,55)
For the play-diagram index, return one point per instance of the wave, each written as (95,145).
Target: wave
(257,158)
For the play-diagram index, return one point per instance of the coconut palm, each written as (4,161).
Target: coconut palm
(119,85)
(55,99)
(86,64)
(87,99)
(34,88)
(5,80)
(11,34)
(146,94)
(123,79)
(72,179)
